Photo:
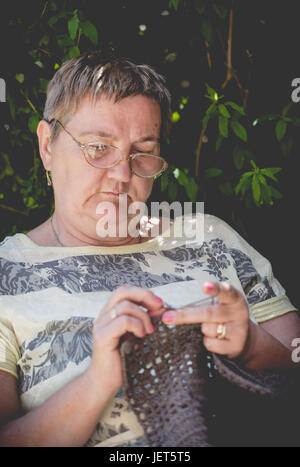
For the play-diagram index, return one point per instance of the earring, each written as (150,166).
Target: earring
(48,178)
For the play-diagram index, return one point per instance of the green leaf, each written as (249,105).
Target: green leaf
(30,202)
(43,85)
(164,181)
(33,122)
(200,6)
(213,172)
(12,106)
(20,77)
(64,41)
(8,168)
(74,52)
(206,29)
(239,130)
(280,129)
(286,109)
(52,20)
(286,146)
(238,157)
(275,193)
(211,92)
(209,114)
(219,142)
(44,40)
(174,4)
(192,189)
(256,189)
(226,189)
(262,179)
(270,172)
(73,24)
(90,31)
(220,10)
(236,107)
(223,126)
(244,183)
(223,111)
(247,174)
(265,193)
(187,182)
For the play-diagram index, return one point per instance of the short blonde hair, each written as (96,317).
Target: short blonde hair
(93,75)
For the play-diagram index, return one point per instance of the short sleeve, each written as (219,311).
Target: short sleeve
(265,295)
(9,349)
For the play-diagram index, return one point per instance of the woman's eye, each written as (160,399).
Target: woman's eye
(141,151)
(97,150)
(102,147)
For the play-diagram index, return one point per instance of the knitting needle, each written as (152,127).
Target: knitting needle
(203,301)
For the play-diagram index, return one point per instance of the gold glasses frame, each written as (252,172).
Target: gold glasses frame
(84,148)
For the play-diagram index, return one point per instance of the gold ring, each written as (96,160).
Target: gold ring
(221,331)
(113,314)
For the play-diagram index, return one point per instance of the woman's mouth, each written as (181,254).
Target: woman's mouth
(112,193)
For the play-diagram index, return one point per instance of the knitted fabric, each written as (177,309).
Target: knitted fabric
(167,381)
(164,384)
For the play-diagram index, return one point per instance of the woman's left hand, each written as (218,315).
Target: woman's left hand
(229,318)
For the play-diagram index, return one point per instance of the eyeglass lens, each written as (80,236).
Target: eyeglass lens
(104,156)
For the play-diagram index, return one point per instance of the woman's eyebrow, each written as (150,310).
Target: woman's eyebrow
(101,133)
(151,138)
(105,134)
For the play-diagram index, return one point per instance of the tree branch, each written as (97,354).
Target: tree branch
(229,51)
(9,208)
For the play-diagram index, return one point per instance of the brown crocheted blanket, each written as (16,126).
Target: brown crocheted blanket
(185,396)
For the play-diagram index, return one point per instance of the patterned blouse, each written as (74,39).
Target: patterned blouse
(49,297)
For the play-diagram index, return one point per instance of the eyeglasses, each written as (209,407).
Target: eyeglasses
(104,156)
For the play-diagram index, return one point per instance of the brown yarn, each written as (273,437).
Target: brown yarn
(166,377)
(164,384)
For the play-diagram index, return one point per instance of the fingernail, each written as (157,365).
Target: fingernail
(168,317)
(158,299)
(151,328)
(209,285)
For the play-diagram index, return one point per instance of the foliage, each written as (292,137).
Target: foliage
(223,148)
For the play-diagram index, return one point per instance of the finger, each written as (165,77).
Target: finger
(117,328)
(199,314)
(140,295)
(224,291)
(131,309)
(211,329)
(160,310)
(125,324)
(219,346)
(229,347)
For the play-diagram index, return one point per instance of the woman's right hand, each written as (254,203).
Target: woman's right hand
(110,326)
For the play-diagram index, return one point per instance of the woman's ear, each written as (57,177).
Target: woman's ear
(44,136)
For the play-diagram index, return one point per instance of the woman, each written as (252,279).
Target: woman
(68,295)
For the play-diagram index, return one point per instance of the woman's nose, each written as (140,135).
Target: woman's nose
(121,171)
